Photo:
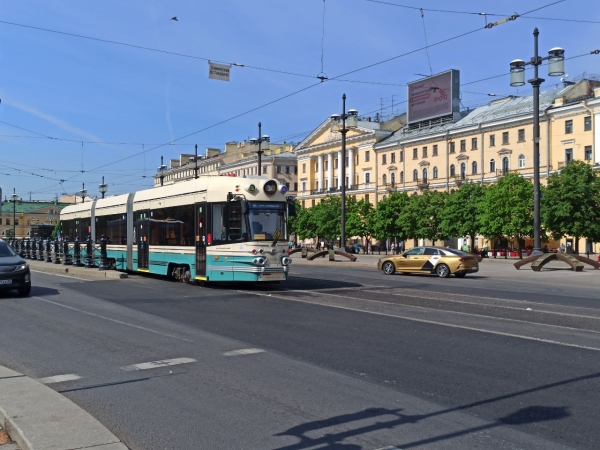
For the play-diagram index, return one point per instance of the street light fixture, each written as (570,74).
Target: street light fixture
(161,170)
(341,124)
(556,67)
(83,193)
(103,188)
(14,200)
(259,141)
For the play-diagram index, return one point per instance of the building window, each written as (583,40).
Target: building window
(278,169)
(402,177)
(295,187)
(492,165)
(303,204)
(366,198)
(415,153)
(452,170)
(463,145)
(287,185)
(587,123)
(367,156)
(463,171)
(505,138)
(16,221)
(522,135)
(346,161)
(434,152)
(384,159)
(435,172)
(424,152)
(313,202)
(474,168)
(7,221)
(335,163)
(401,155)
(568,126)
(452,147)
(384,179)
(367,179)
(303,187)
(392,157)
(474,143)
(295,170)
(415,175)
(492,140)
(287,169)
(588,152)
(568,156)
(326,165)
(393,179)
(317,166)
(521,161)
(424,173)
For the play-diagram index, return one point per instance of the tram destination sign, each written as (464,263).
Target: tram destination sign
(433,97)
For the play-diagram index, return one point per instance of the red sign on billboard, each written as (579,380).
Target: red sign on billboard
(433,97)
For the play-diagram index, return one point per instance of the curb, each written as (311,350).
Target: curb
(40,266)
(39,418)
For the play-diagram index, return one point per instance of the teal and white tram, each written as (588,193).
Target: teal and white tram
(209,229)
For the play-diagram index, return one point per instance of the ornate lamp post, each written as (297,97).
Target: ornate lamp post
(259,141)
(556,67)
(161,170)
(83,193)
(103,188)
(14,200)
(341,124)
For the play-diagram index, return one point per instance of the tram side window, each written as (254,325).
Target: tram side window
(113,228)
(67,229)
(172,226)
(228,223)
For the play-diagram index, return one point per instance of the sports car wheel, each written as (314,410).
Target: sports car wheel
(442,271)
(388,268)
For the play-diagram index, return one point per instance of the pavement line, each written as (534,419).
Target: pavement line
(60,275)
(432,322)
(391,447)
(59,378)
(244,351)
(112,320)
(156,364)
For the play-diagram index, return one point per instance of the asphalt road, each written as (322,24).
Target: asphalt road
(339,357)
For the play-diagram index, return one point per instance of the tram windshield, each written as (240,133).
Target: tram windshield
(267,221)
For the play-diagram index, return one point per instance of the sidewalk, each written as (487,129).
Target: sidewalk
(39,418)
(41,266)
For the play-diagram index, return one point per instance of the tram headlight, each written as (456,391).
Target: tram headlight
(270,187)
(286,261)
(259,261)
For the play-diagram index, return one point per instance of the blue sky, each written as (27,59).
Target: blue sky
(81,90)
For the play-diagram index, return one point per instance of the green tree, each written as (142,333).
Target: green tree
(303,224)
(386,217)
(327,217)
(571,203)
(507,208)
(57,229)
(428,215)
(461,215)
(408,218)
(9,234)
(359,218)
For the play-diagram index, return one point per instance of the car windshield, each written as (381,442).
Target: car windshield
(6,250)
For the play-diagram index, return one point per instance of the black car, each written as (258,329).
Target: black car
(14,271)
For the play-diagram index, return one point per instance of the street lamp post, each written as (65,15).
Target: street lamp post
(196,161)
(161,170)
(103,188)
(556,67)
(336,120)
(83,193)
(14,199)
(259,141)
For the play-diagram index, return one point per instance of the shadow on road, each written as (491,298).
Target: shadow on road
(392,418)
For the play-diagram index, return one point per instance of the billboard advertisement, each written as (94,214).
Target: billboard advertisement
(433,97)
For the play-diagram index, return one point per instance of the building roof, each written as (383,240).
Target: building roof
(29,207)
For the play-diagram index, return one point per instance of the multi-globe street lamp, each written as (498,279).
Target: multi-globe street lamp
(261,138)
(342,124)
(103,188)
(556,67)
(162,169)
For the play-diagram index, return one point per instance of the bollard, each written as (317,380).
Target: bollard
(28,249)
(103,257)
(66,255)
(331,255)
(48,251)
(89,263)
(77,253)
(56,259)
(34,249)
(22,248)
(304,252)
(41,249)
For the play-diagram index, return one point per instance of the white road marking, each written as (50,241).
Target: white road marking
(60,275)
(112,320)
(389,448)
(244,351)
(156,364)
(59,378)
(433,322)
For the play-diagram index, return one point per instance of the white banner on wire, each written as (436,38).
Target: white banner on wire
(218,71)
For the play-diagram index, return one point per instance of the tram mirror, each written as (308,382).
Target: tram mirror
(244,205)
(291,208)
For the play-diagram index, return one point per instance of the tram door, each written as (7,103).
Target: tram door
(142,238)
(201,239)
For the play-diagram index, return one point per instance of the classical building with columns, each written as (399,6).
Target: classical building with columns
(320,155)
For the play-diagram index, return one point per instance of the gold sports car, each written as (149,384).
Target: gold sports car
(439,260)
